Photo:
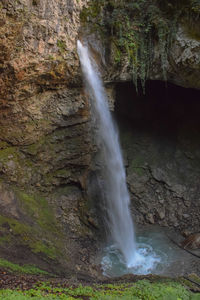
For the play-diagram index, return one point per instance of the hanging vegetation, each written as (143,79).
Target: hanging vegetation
(134,27)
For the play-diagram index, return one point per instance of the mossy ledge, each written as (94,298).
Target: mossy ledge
(133,29)
(20,269)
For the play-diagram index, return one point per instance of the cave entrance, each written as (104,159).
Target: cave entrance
(164,103)
(160,136)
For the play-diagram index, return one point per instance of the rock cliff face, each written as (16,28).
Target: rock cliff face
(159,133)
(159,41)
(45,148)
(181,66)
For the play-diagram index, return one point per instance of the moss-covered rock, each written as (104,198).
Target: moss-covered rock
(142,37)
(45,148)
(43,230)
(20,269)
(30,223)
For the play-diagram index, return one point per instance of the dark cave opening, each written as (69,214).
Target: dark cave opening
(160,139)
(164,103)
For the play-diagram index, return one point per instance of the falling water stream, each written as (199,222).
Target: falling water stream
(123,250)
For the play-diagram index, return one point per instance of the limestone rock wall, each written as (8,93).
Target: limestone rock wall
(45,146)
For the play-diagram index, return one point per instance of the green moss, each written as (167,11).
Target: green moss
(25,269)
(61,45)
(51,57)
(39,211)
(135,27)
(45,248)
(3,145)
(14,227)
(9,153)
(28,235)
(92,11)
(36,230)
(33,237)
(62,173)
(137,166)
(142,290)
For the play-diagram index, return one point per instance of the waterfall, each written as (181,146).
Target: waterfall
(120,224)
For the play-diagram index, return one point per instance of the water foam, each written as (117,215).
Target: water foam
(147,260)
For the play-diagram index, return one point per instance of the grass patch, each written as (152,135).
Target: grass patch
(25,269)
(142,290)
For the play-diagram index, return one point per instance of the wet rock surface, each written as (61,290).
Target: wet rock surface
(192,241)
(159,134)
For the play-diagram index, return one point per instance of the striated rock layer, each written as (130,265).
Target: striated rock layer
(45,147)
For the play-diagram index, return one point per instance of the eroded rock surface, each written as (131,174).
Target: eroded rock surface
(182,66)
(160,139)
(158,41)
(45,147)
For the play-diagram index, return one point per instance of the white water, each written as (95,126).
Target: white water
(117,196)
(120,224)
